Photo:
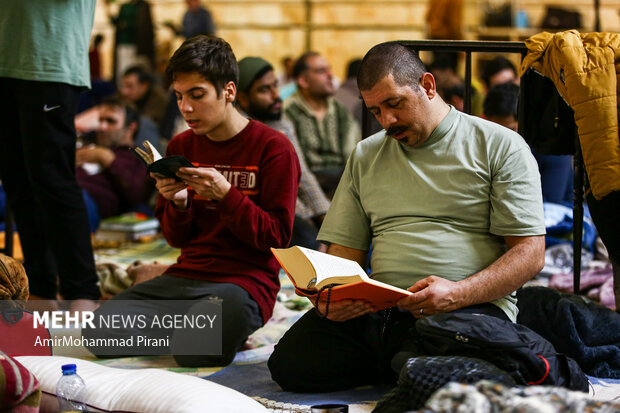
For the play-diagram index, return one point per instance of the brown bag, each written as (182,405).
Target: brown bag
(13,279)
(561,19)
(18,336)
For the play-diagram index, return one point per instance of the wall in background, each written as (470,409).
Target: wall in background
(340,29)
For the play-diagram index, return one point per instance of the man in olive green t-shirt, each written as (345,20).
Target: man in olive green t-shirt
(452,207)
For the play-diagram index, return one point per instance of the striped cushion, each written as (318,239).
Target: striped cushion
(19,389)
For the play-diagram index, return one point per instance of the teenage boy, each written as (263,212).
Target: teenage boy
(225,213)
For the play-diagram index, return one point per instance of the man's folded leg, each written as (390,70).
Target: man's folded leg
(318,355)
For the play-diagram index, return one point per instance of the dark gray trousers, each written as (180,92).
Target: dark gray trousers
(241,316)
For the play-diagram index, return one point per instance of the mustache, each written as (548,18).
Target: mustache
(396,129)
(275,102)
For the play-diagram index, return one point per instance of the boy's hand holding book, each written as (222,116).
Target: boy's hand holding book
(206,182)
(159,166)
(172,190)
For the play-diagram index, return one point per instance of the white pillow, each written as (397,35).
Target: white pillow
(141,390)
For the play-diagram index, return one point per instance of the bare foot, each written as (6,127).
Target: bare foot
(140,273)
(83,304)
(40,304)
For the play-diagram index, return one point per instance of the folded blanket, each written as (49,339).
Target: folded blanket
(488,396)
(585,331)
(598,283)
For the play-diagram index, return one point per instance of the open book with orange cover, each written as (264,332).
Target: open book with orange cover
(311,270)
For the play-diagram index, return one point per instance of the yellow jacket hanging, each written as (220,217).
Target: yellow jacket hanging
(585,68)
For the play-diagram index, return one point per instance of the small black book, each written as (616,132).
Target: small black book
(162,167)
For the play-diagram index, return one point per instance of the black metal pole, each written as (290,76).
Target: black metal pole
(8,232)
(577,215)
(468,93)
(597,17)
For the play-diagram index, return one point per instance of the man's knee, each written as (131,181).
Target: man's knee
(286,369)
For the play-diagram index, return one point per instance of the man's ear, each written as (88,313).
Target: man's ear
(230,92)
(302,82)
(132,128)
(427,83)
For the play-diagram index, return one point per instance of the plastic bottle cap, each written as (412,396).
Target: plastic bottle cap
(69,368)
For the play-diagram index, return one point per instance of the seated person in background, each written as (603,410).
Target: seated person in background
(138,88)
(326,130)
(113,177)
(349,95)
(451,205)
(454,95)
(197,20)
(556,171)
(498,70)
(451,86)
(224,215)
(258,98)
(500,105)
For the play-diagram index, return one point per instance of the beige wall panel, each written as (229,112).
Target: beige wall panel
(275,28)
(373,14)
(272,45)
(258,13)
(342,46)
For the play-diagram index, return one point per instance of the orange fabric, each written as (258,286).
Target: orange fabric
(585,68)
(444,18)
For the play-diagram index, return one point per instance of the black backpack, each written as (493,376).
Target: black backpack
(524,355)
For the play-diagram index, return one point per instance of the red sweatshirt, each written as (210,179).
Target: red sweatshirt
(229,241)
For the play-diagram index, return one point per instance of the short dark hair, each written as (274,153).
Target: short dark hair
(131,112)
(502,100)
(210,56)
(353,68)
(444,61)
(456,89)
(301,64)
(494,66)
(393,58)
(144,75)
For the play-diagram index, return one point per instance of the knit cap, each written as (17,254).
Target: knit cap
(249,67)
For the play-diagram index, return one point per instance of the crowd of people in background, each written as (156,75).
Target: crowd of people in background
(320,114)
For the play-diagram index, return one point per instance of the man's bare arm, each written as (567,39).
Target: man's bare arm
(348,253)
(524,258)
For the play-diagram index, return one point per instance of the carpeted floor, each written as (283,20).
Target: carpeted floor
(254,380)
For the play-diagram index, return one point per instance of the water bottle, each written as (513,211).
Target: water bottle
(521,19)
(70,390)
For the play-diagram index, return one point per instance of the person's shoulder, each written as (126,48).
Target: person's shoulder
(374,140)
(371,146)
(286,123)
(293,103)
(491,132)
(265,132)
